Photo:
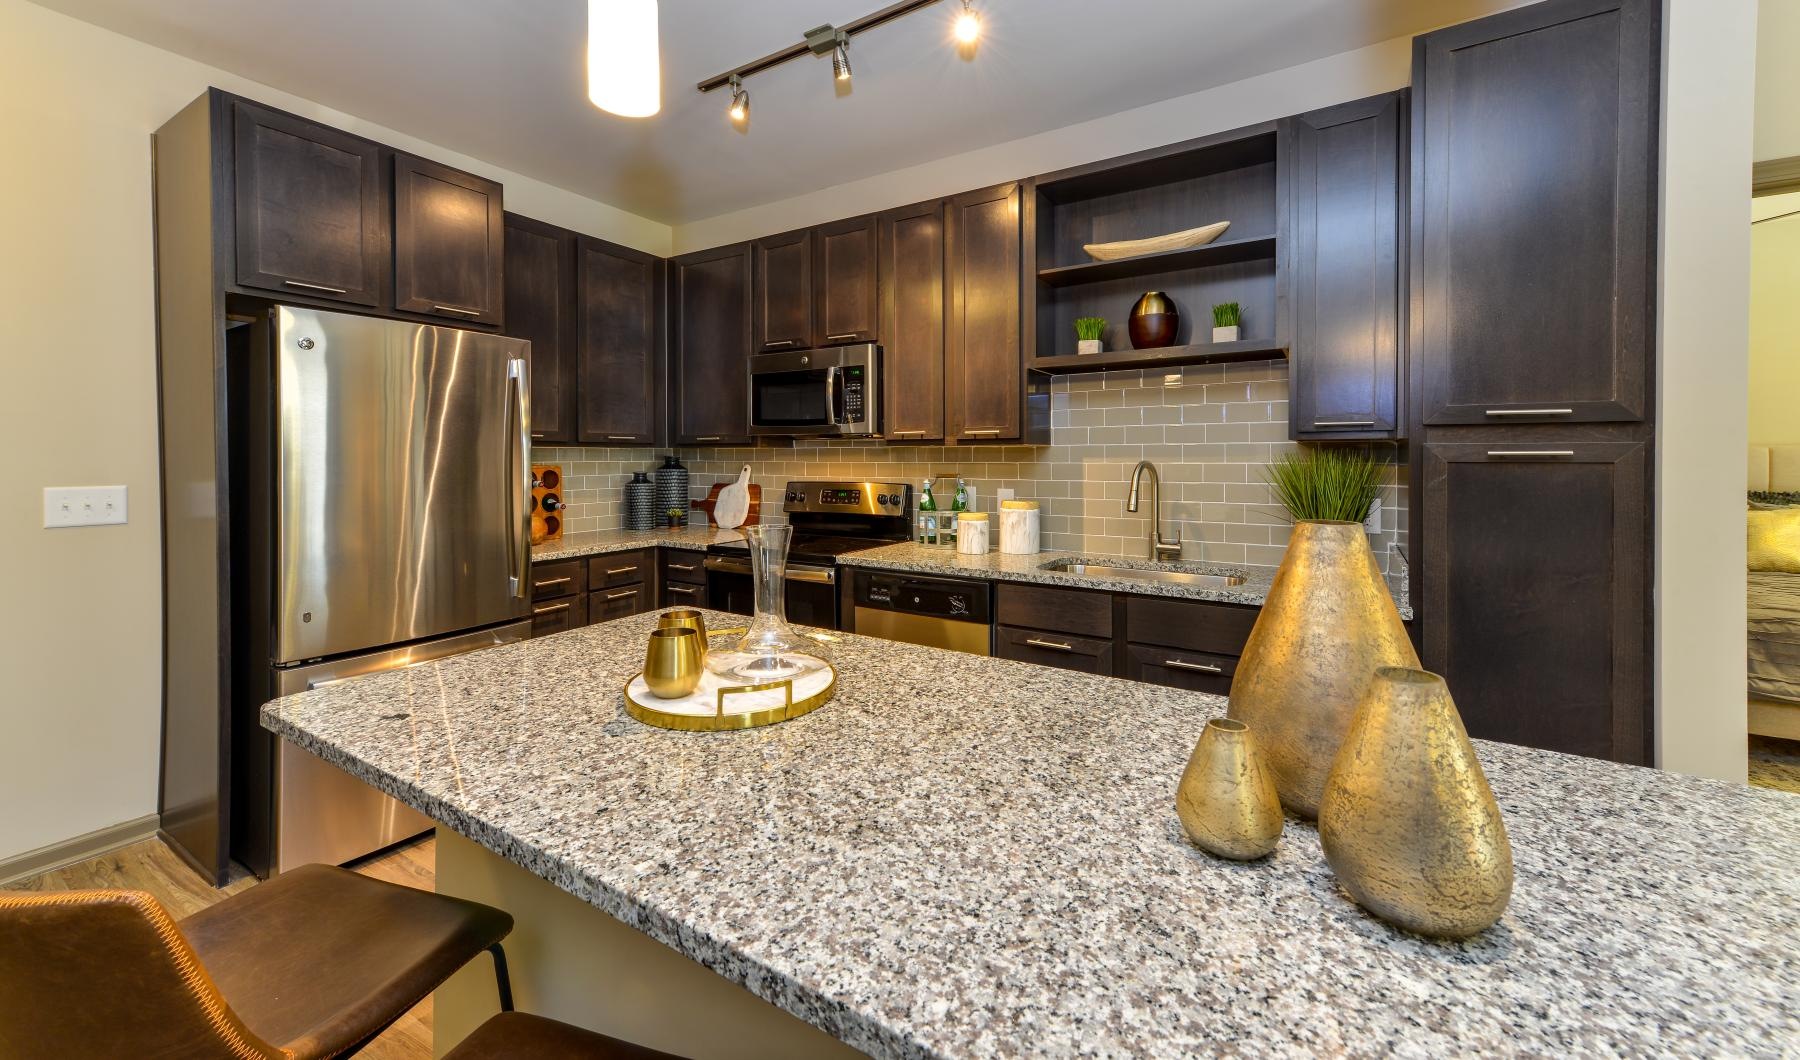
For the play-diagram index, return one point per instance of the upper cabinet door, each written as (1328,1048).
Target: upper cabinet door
(846,289)
(984,367)
(619,320)
(710,347)
(448,242)
(1340,242)
(1533,221)
(783,291)
(912,322)
(540,307)
(311,208)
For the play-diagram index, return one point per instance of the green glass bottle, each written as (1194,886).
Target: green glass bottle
(958,505)
(928,527)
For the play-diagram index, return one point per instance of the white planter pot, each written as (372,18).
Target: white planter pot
(1229,334)
(1086,346)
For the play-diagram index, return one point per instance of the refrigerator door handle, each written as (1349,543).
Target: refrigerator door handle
(518,530)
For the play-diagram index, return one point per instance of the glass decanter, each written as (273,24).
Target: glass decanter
(770,639)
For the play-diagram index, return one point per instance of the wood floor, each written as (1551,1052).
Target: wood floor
(151,866)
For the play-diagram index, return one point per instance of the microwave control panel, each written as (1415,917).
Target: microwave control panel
(855,394)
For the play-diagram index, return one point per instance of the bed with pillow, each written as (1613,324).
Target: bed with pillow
(1773,597)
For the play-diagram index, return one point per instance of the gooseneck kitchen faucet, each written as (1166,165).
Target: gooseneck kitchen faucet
(1159,549)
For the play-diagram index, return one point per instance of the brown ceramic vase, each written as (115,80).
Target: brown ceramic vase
(1154,322)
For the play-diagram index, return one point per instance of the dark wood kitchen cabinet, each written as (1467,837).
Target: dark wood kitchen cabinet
(846,284)
(911,246)
(310,207)
(782,289)
(1339,240)
(984,341)
(618,319)
(449,235)
(1536,584)
(540,307)
(709,351)
(1533,214)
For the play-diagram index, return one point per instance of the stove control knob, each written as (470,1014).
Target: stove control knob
(881,498)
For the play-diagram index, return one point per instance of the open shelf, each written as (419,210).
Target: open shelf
(1222,252)
(1165,357)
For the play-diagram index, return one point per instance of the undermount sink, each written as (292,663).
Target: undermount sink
(1167,575)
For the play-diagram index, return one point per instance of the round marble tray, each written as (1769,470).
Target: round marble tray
(723,701)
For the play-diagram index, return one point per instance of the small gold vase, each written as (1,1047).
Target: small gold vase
(1328,623)
(685,618)
(1226,799)
(1408,821)
(673,662)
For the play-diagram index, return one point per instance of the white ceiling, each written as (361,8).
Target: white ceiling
(504,80)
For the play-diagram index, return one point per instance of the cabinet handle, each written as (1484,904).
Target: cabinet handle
(547,610)
(621,437)
(620,570)
(1051,644)
(904,434)
(549,581)
(1530,412)
(845,335)
(1180,664)
(681,566)
(1343,423)
(682,589)
(780,344)
(315,287)
(458,310)
(535,434)
(1531,452)
(985,431)
(707,438)
(610,597)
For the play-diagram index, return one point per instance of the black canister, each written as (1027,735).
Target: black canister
(671,489)
(640,502)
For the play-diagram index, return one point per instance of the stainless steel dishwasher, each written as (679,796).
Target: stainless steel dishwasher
(953,613)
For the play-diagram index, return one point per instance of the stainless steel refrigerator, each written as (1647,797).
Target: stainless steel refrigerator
(396,499)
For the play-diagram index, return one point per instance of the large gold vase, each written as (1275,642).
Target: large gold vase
(1226,799)
(1408,822)
(1328,624)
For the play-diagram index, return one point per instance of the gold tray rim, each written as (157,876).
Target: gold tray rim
(753,719)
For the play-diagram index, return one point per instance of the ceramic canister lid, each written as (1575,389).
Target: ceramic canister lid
(975,517)
(1019,506)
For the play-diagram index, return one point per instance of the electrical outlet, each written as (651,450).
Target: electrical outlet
(83,505)
(1003,494)
(1373,521)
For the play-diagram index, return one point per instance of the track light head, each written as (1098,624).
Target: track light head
(840,58)
(968,24)
(740,101)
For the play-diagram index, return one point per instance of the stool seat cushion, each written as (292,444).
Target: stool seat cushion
(320,959)
(516,1036)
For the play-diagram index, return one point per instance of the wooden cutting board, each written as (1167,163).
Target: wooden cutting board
(712,501)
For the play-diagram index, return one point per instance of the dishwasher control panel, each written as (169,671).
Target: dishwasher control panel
(953,599)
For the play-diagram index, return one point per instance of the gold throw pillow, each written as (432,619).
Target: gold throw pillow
(1774,541)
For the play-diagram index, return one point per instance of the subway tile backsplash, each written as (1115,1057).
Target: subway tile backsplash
(1211,430)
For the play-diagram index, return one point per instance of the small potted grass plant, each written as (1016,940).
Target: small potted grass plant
(1226,318)
(1087,334)
(1326,485)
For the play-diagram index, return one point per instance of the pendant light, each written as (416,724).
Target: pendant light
(624,57)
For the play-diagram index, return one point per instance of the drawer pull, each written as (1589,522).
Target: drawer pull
(1182,664)
(845,335)
(314,287)
(1530,412)
(620,570)
(549,581)
(779,344)
(905,434)
(689,567)
(1343,423)
(684,590)
(459,310)
(1531,452)
(549,609)
(707,437)
(610,597)
(1051,644)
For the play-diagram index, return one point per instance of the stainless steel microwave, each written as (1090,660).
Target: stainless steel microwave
(833,391)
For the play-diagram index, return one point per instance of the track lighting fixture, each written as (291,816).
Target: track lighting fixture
(840,58)
(740,101)
(968,24)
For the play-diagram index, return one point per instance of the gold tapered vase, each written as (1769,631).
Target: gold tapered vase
(1226,799)
(1327,625)
(1408,821)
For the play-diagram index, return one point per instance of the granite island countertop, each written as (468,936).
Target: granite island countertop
(997,870)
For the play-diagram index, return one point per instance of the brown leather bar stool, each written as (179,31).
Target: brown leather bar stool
(313,963)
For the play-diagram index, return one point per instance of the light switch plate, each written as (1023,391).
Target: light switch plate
(1003,494)
(1373,522)
(83,505)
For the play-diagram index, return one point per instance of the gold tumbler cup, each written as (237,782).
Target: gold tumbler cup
(688,618)
(672,663)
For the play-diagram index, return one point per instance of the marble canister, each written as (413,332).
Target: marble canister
(972,533)
(1019,528)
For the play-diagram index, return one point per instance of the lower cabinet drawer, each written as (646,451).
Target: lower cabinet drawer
(1089,655)
(683,566)
(604,605)
(554,616)
(558,578)
(621,568)
(683,594)
(1192,670)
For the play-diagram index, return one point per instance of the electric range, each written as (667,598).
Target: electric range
(829,519)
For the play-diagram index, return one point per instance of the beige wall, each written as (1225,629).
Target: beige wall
(1775,320)
(1708,99)
(1777,78)
(80,641)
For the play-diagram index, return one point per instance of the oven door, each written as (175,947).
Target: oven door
(811,592)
